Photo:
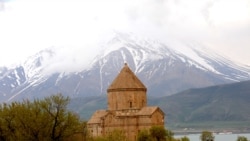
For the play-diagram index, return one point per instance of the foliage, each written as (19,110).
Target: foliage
(144,136)
(84,131)
(45,119)
(206,136)
(184,139)
(155,133)
(242,138)
(170,135)
(116,135)
(158,133)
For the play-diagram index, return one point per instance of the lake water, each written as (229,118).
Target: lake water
(218,137)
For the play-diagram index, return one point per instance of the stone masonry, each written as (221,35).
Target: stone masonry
(127,108)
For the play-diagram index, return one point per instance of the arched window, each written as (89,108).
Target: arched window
(130,104)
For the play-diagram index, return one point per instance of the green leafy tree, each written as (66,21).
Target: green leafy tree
(99,139)
(63,123)
(115,135)
(39,120)
(170,135)
(159,133)
(84,131)
(184,138)
(144,136)
(31,121)
(3,136)
(8,122)
(242,138)
(206,136)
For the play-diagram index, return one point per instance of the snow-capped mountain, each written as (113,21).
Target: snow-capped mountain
(165,68)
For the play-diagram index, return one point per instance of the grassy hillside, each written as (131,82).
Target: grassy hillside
(218,106)
(228,104)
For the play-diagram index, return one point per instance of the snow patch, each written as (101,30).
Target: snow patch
(59,78)
(17,77)
(182,59)
(77,87)
(123,55)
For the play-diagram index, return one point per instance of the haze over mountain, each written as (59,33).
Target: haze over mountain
(28,26)
(165,68)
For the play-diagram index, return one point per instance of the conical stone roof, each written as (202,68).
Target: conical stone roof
(126,81)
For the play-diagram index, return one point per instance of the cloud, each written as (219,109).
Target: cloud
(28,26)
(2,4)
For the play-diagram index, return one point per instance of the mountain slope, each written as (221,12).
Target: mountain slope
(221,103)
(163,69)
(226,105)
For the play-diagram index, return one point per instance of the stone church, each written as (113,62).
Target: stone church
(127,108)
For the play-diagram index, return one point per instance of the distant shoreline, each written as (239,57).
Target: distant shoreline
(219,132)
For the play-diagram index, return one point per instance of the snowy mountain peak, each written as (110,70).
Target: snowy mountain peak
(36,64)
(165,68)
(144,49)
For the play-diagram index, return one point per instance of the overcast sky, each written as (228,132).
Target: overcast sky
(27,26)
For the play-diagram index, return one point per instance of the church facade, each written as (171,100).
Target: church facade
(127,108)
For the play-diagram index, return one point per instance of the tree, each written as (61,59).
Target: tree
(84,131)
(46,119)
(144,136)
(170,135)
(31,121)
(63,123)
(185,138)
(8,122)
(242,138)
(206,136)
(115,135)
(159,133)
